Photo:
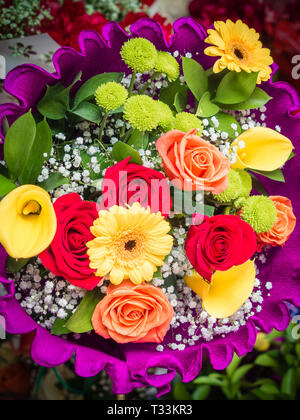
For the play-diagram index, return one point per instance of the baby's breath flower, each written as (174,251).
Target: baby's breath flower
(139,54)
(167,64)
(111,96)
(142,113)
(187,122)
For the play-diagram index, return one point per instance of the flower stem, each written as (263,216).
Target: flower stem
(132,84)
(148,84)
(103,123)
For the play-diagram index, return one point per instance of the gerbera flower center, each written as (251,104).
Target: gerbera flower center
(129,245)
(238,53)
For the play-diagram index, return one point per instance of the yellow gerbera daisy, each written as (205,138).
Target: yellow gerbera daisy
(130,243)
(239,48)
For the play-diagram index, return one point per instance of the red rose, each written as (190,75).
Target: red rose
(69,21)
(67,255)
(219,243)
(127,183)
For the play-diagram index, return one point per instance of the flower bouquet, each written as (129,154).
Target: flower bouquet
(149,200)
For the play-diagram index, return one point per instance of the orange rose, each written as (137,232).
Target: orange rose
(133,313)
(193,164)
(284,226)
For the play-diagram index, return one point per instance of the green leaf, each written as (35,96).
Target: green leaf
(236,361)
(13,266)
(206,108)
(297,350)
(240,373)
(195,77)
(180,392)
(292,156)
(225,124)
(81,320)
(269,389)
(34,157)
(258,99)
(201,393)
(88,112)
(59,327)
(236,87)
(55,180)
(138,140)
(262,395)
(168,95)
(18,142)
(209,380)
(180,101)
(171,281)
(5,125)
(122,151)
(266,361)
(258,186)
(289,383)
(6,185)
(86,162)
(274,175)
(4,171)
(209,210)
(55,103)
(88,89)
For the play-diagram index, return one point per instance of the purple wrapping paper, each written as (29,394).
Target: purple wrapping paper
(128,365)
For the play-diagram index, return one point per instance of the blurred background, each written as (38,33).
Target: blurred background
(31,31)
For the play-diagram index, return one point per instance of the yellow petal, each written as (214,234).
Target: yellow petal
(116,276)
(198,284)
(228,291)
(28,221)
(265,150)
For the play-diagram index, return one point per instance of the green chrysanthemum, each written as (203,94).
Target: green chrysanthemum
(260,213)
(187,122)
(142,113)
(246,182)
(167,64)
(139,54)
(239,185)
(167,119)
(111,96)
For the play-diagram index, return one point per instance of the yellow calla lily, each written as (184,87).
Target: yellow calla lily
(228,291)
(28,221)
(265,150)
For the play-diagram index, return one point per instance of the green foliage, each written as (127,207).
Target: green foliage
(206,107)
(175,95)
(225,124)
(27,146)
(6,185)
(81,321)
(55,180)
(138,140)
(236,88)
(276,175)
(273,375)
(195,76)
(87,91)
(122,151)
(13,266)
(258,99)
